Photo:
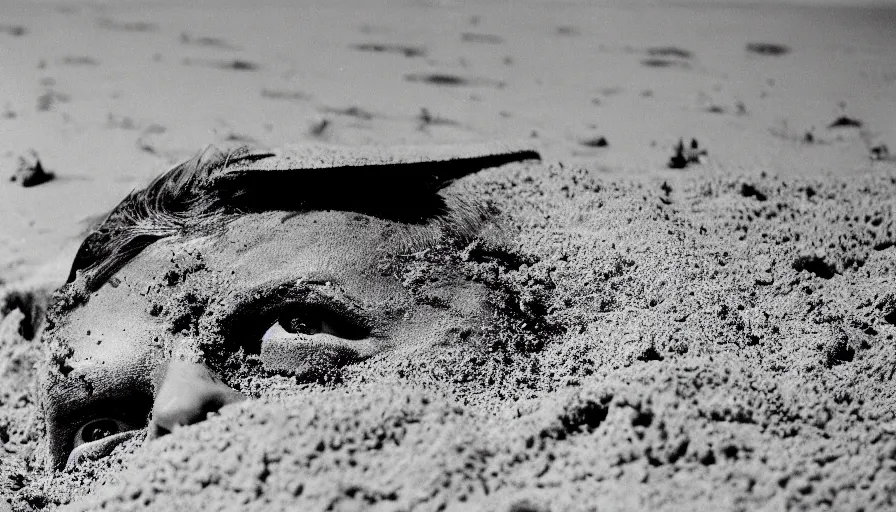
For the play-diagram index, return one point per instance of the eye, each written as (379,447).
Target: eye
(311,342)
(98,429)
(318,320)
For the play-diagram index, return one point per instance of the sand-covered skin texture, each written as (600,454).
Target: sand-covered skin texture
(719,337)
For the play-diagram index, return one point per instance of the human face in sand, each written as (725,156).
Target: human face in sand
(194,323)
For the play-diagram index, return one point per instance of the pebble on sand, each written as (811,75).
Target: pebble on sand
(30,171)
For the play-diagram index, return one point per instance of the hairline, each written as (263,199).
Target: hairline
(189,199)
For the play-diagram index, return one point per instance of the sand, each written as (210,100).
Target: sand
(713,337)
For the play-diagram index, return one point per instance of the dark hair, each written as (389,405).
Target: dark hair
(214,186)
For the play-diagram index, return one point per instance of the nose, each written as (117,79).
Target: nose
(189,392)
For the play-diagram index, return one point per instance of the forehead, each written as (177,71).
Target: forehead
(267,246)
(247,253)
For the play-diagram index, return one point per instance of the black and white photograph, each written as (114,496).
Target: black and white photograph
(447,255)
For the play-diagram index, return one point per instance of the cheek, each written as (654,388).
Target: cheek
(461,324)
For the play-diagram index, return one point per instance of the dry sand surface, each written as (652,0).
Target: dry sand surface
(713,337)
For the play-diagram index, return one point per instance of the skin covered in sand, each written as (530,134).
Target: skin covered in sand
(201,319)
(164,342)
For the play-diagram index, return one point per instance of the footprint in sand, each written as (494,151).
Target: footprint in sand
(353,111)
(665,63)
(845,122)
(49,99)
(471,37)
(120,122)
(667,57)
(567,30)
(768,49)
(319,128)
(233,65)
(211,42)
(78,60)
(595,142)
(127,26)
(444,79)
(399,49)
(285,95)
(13,30)
(669,51)
(427,119)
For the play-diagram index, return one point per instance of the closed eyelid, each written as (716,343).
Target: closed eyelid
(125,401)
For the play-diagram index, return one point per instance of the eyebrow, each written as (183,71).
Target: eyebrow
(89,383)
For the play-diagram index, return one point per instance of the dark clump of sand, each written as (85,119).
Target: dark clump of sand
(127,26)
(452,80)
(473,37)
(768,49)
(669,51)
(685,156)
(406,50)
(595,142)
(845,122)
(234,64)
(438,79)
(658,62)
(30,172)
(13,30)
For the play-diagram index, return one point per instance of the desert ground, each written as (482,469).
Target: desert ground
(704,333)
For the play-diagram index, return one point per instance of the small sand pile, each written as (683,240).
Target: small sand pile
(20,424)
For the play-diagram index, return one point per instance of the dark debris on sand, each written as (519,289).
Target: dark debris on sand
(438,79)
(815,264)
(427,119)
(128,26)
(450,80)
(235,64)
(473,37)
(13,30)
(656,62)
(30,171)
(278,94)
(595,142)
(353,111)
(79,60)
(879,152)
(401,49)
(212,42)
(49,99)
(685,156)
(769,49)
(669,51)
(845,122)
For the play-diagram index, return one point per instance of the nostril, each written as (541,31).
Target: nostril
(156,431)
(189,392)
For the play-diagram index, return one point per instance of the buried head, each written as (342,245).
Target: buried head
(205,287)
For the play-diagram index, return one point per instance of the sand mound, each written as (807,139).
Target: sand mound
(693,356)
